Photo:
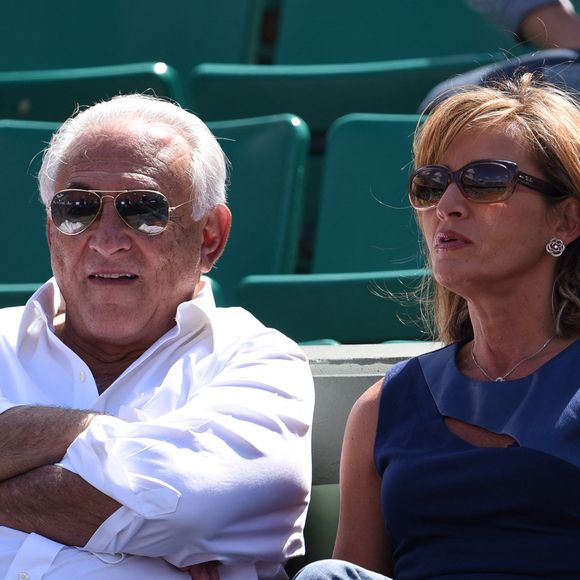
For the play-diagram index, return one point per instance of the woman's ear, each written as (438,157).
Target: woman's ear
(567,220)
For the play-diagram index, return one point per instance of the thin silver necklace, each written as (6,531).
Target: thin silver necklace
(503,377)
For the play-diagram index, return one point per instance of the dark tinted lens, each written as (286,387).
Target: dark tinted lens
(73,211)
(144,211)
(427,186)
(486,181)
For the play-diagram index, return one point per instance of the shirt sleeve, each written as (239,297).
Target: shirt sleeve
(509,14)
(5,404)
(225,477)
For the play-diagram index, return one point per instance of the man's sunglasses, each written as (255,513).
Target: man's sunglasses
(73,210)
(485,181)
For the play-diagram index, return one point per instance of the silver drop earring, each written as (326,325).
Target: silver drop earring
(555,247)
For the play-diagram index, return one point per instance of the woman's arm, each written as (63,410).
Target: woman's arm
(361,537)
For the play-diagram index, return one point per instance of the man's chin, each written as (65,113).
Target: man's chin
(120,325)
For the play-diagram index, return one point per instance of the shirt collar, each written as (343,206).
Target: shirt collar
(47,301)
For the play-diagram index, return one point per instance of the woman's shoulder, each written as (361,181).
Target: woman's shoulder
(368,403)
(415,365)
(366,406)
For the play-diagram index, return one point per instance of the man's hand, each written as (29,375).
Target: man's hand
(205,571)
(55,503)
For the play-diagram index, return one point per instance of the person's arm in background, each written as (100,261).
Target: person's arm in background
(546,23)
(552,27)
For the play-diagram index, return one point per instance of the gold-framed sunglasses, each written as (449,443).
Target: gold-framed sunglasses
(146,211)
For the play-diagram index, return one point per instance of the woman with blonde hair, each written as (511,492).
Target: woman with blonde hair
(465,462)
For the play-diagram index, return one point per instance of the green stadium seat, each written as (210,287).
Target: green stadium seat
(356,308)
(23,223)
(341,31)
(268,157)
(320,94)
(182,33)
(218,293)
(367,244)
(16,294)
(365,222)
(53,95)
(320,528)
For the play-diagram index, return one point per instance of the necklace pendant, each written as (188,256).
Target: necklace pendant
(502,378)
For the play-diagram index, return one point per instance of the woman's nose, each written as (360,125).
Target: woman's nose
(452,202)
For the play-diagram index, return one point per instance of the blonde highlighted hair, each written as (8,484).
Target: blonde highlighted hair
(547,120)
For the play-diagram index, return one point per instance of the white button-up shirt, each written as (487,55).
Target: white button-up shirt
(204,441)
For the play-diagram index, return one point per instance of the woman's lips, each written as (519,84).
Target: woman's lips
(450,240)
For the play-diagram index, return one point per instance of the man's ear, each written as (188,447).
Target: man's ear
(48,232)
(215,235)
(568,220)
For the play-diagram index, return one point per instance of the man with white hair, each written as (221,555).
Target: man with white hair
(144,432)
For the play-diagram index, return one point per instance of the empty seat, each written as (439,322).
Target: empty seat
(23,221)
(321,94)
(320,528)
(341,31)
(367,307)
(268,157)
(365,221)
(53,95)
(182,33)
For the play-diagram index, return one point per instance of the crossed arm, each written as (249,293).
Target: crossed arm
(226,474)
(36,495)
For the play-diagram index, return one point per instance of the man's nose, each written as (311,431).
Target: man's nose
(109,233)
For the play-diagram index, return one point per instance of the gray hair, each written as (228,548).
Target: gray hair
(208,167)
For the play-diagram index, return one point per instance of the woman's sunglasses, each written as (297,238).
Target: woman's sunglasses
(73,210)
(485,181)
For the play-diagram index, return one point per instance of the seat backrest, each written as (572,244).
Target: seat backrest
(365,221)
(268,157)
(321,93)
(54,95)
(363,308)
(182,33)
(23,221)
(335,31)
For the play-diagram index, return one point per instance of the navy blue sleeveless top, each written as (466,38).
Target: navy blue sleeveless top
(453,510)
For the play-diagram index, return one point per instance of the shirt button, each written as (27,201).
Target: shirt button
(82,376)
(23,576)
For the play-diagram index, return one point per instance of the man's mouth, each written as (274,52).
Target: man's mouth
(125,275)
